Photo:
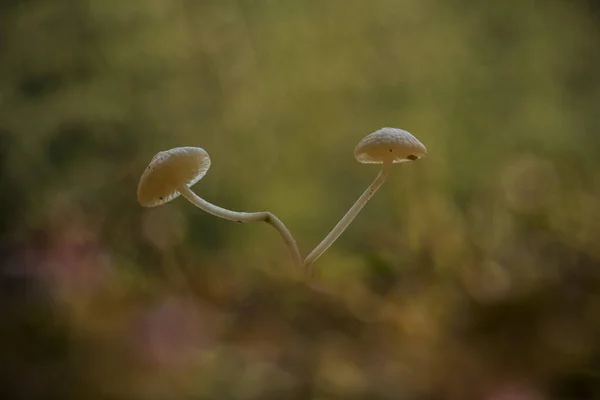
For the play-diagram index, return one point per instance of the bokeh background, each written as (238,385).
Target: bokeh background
(473,273)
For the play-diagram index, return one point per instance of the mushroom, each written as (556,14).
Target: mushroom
(385,146)
(173,172)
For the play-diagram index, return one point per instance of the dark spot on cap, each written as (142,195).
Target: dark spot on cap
(390,150)
(160,197)
(412,157)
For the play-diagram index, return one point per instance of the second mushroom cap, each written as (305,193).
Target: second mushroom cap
(389,144)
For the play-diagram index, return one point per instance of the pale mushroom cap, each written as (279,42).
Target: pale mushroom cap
(168,171)
(387,144)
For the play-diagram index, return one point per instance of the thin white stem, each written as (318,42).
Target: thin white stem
(263,216)
(350,215)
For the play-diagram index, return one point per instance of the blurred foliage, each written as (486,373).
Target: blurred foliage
(473,273)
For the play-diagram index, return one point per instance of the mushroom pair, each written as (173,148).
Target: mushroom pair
(171,173)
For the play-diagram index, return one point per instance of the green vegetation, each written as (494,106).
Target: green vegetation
(473,271)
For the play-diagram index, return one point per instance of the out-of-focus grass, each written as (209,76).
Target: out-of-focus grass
(473,273)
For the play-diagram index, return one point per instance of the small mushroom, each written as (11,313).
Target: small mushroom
(385,146)
(171,173)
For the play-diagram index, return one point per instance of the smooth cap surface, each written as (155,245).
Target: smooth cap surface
(387,144)
(170,170)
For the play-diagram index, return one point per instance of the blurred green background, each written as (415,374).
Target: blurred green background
(473,273)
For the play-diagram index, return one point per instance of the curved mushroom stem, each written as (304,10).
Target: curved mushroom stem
(264,216)
(350,215)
